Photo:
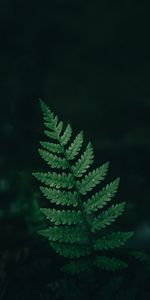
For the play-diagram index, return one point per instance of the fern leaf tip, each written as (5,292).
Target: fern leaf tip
(42,103)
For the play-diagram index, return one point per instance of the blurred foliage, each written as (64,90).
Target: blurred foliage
(24,200)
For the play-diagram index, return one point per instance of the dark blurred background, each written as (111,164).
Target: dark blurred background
(90,62)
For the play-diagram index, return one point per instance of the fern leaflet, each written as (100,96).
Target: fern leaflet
(63,234)
(60,197)
(62,216)
(51,147)
(53,160)
(84,162)
(110,264)
(66,135)
(92,179)
(100,199)
(75,147)
(107,217)
(71,250)
(55,180)
(111,241)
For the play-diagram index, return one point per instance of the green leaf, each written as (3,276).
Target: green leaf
(51,147)
(62,216)
(59,128)
(47,114)
(92,179)
(110,264)
(65,138)
(111,241)
(53,160)
(45,232)
(84,162)
(63,234)
(55,180)
(71,250)
(51,134)
(72,230)
(100,199)
(108,216)
(75,147)
(141,256)
(60,197)
(49,118)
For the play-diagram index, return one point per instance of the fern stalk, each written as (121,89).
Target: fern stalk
(79,199)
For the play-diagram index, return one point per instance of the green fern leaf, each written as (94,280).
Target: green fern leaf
(60,197)
(71,250)
(110,264)
(51,122)
(51,134)
(72,231)
(59,128)
(100,199)
(111,241)
(55,180)
(84,162)
(51,147)
(62,216)
(63,234)
(141,256)
(75,147)
(65,138)
(108,216)
(53,160)
(48,116)
(92,179)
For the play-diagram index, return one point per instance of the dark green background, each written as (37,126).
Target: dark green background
(90,62)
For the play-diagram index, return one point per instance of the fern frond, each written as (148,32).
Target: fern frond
(55,180)
(72,231)
(100,199)
(110,264)
(92,179)
(51,147)
(111,241)
(63,234)
(84,162)
(107,217)
(53,160)
(60,197)
(62,216)
(65,138)
(75,147)
(71,250)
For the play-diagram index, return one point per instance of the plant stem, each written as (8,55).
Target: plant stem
(87,226)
